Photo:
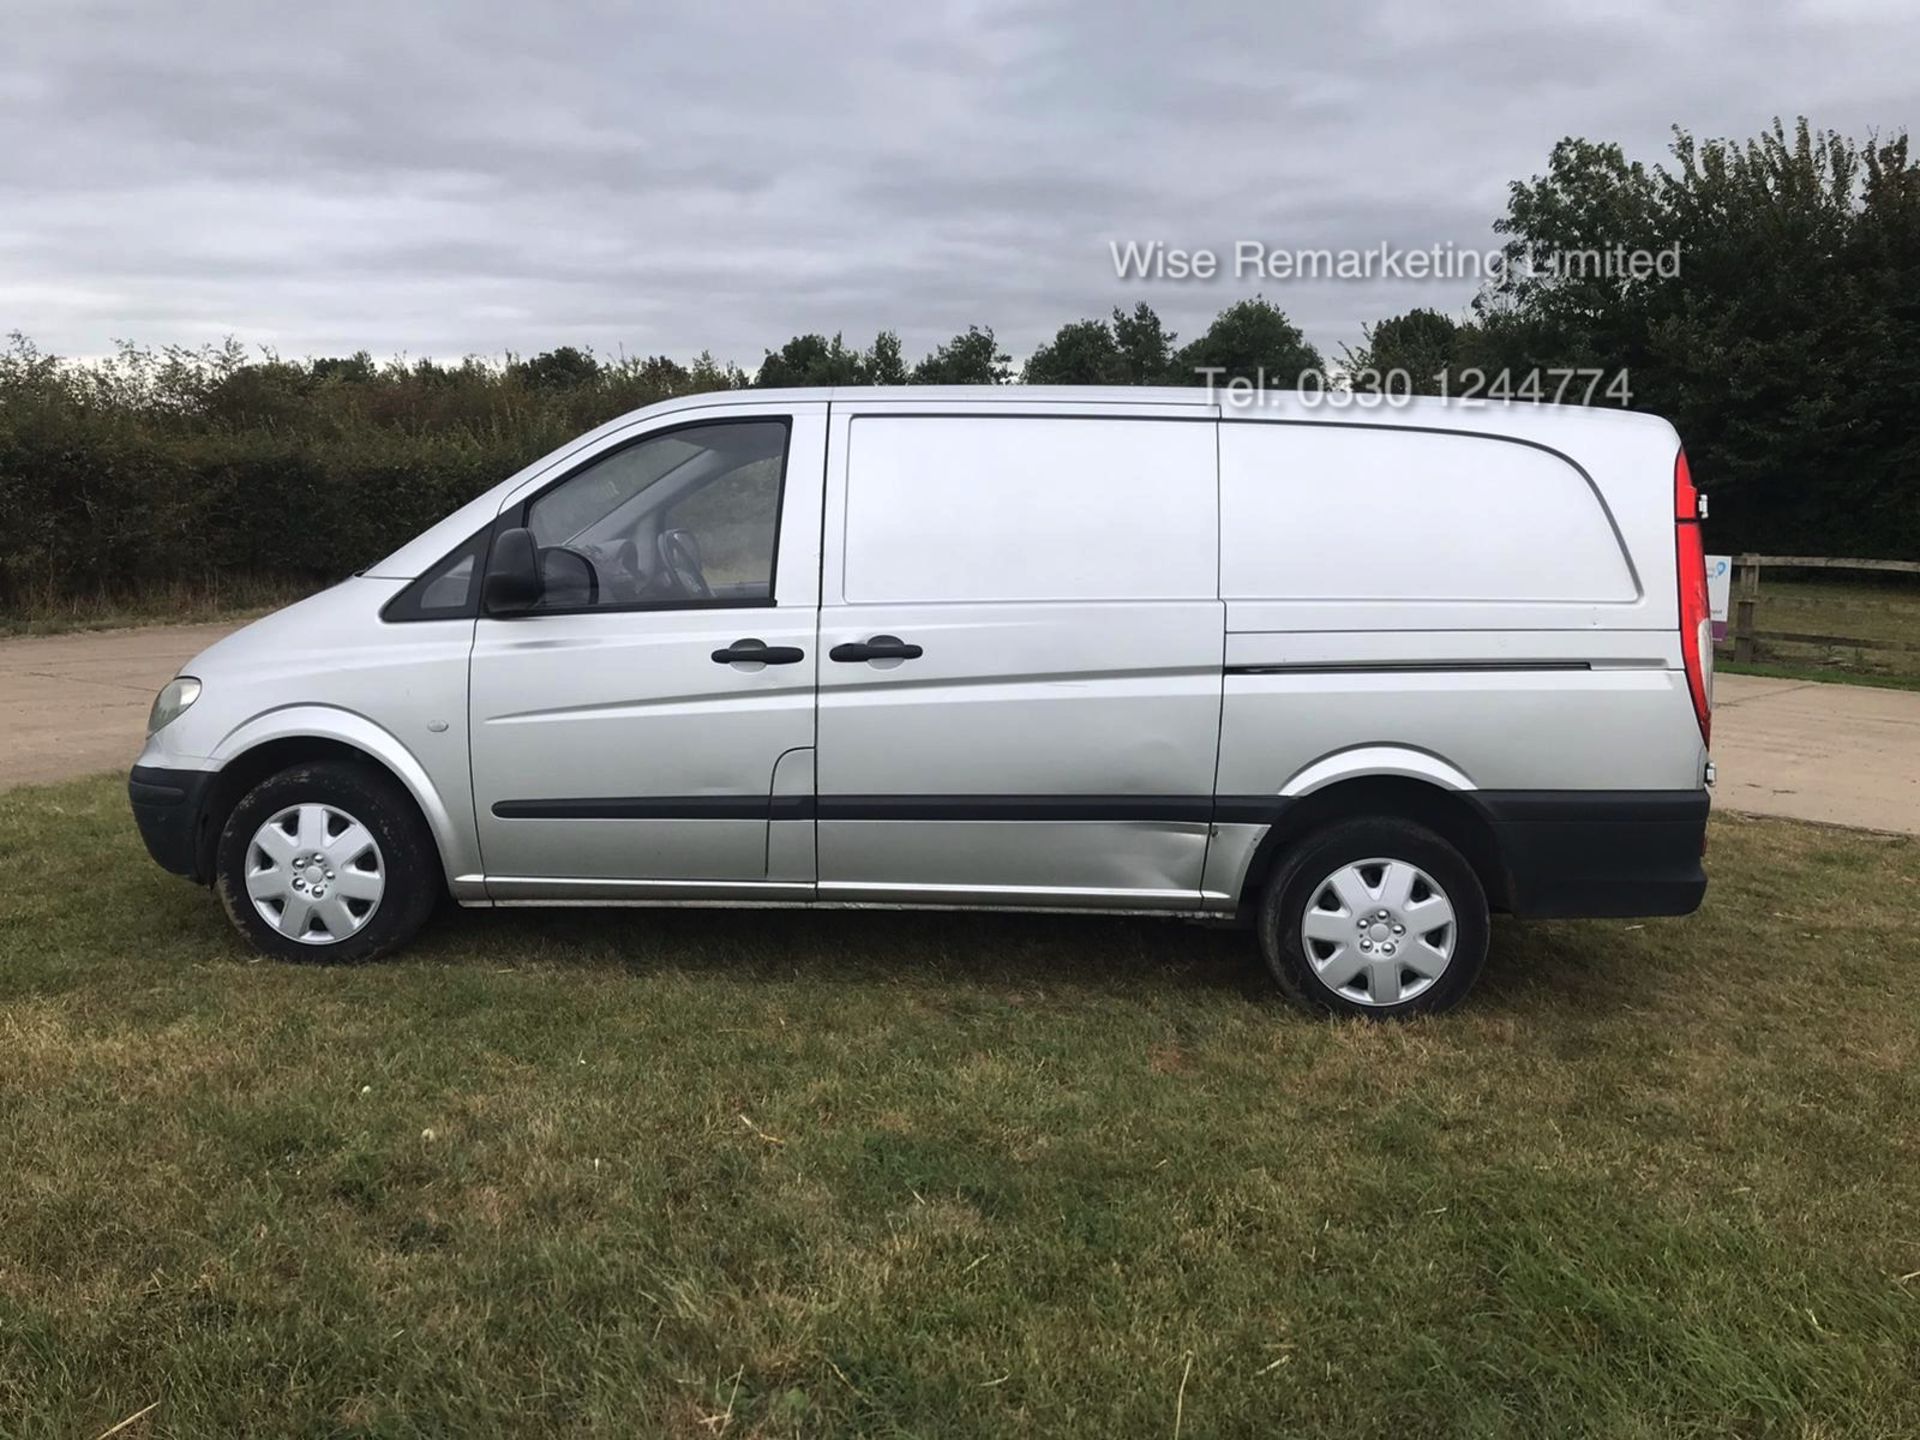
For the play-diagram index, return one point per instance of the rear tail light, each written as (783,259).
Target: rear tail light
(1696,621)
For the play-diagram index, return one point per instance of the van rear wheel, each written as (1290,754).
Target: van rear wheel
(1374,917)
(327,862)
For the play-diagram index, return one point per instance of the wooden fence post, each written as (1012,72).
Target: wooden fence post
(1744,644)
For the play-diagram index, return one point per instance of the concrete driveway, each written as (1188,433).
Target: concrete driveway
(1847,754)
(76,704)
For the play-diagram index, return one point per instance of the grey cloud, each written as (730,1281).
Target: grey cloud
(439,179)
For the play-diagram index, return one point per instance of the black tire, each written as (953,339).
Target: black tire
(407,860)
(1301,878)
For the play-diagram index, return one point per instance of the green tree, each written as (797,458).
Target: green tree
(1568,234)
(1420,345)
(661,374)
(1134,349)
(561,369)
(1777,343)
(972,358)
(1082,352)
(885,365)
(357,368)
(707,373)
(1252,340)
(812,360)
(1145,344)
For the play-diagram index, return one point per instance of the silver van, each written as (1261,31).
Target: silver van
(1355,675)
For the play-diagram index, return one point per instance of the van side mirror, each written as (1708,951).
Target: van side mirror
(513,574)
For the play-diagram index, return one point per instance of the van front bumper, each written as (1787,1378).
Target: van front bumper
(170,807)
(1602,854)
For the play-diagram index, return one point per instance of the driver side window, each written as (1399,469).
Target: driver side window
(689,517)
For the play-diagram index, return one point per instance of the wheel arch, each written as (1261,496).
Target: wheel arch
(299,735)
(1421,798)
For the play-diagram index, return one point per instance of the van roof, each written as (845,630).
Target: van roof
(1422,411)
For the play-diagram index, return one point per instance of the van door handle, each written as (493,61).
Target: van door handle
(751,651)
(880,647)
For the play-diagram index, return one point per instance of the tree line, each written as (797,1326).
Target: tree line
(1780,343)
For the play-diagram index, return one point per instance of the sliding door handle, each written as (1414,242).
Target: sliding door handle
(880,647)
(751,651)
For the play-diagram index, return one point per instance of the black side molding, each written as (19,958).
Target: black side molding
(1403,667)
(1190,809)
(1193,809)
(650,807)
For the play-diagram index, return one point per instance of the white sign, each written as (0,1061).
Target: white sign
(1719,591)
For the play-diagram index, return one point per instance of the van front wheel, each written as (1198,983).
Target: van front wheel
(1374,917)
(329,862)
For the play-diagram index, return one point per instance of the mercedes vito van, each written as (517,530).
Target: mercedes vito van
(1355,676)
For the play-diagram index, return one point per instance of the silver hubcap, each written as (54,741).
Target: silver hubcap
(1378,932)
(315,874)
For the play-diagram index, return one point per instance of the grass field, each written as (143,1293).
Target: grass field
(707,1173)
(1829,606)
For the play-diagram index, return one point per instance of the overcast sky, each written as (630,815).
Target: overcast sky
(438,180)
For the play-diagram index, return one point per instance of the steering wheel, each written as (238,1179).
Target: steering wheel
(680,554)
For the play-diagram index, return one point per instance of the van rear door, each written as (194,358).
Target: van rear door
(1020,642)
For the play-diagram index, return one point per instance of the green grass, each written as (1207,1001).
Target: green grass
(758,1173)
(1821,674)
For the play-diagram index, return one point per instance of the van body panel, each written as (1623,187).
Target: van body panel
(1412,477)
(959,509)
(1090,679)
(1010,700)
(1145,864)
(1412,518)
(790,827)
(1230,852)
(610,746)
(1604,729)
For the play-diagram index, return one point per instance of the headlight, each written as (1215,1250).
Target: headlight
(172,702)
